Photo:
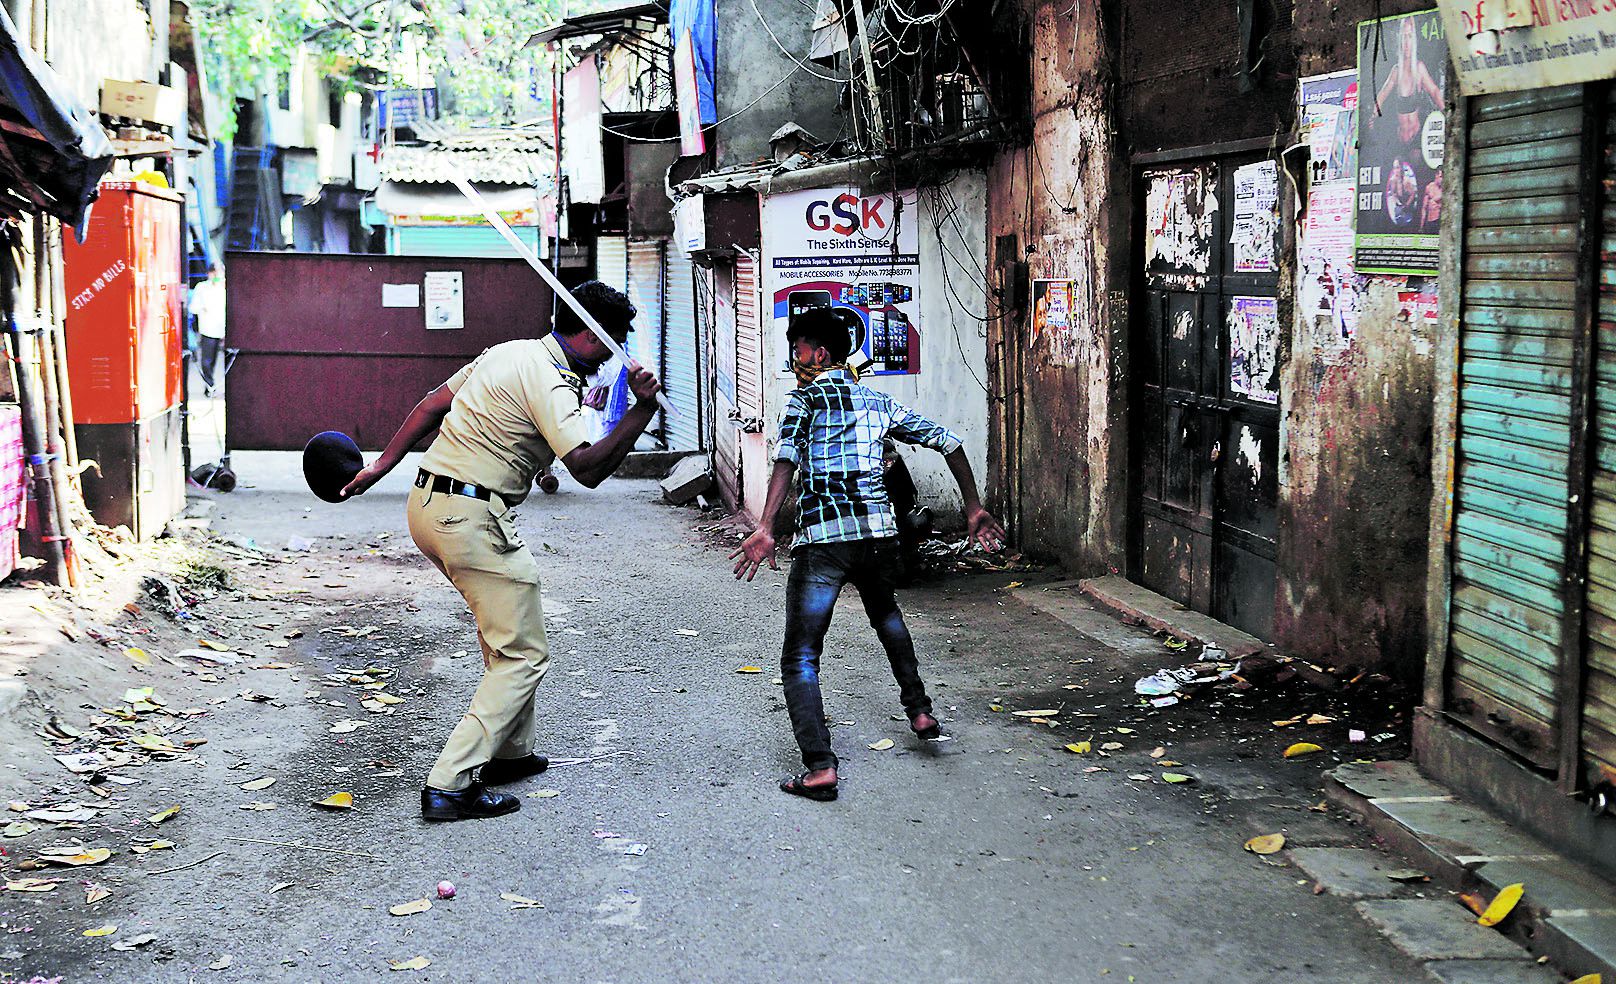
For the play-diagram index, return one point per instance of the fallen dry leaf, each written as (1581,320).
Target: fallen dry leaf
(346,727)
(210,644)
(1036,714)
(1266,844)
(1302,748)
(687,632)
(1317,719)
(1176,777)
(136,942)
(1502,904)
(1287,722)
(258,807)
(33,885)
(162,816)
(156,743)
(1123,731)
(1112,746)
(18,828)
(96,893)
(1167,763)
(138,655)
(156,845)
(749,669)
(337,801)
(410,908)
(881,746)
(1589,979)
(414,963)
(257,784)
(94,855)
(1157,752)
(1140,777)
(544,793)
(520,901)
(1080,747)
(220,964)
(106,930)
(1408,875)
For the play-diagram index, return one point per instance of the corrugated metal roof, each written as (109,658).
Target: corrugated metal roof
(435,164)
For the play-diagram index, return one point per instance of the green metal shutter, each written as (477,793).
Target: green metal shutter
(1511,486)
(1599,681)
(681,364)
(461,241)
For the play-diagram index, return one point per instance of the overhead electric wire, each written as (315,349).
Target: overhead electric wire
(787,52)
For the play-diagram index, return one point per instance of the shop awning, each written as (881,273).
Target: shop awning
(53,151)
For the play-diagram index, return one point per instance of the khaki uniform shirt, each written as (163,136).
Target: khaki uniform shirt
(517,407)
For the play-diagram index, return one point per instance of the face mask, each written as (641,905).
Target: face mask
(807,372)
(586,367)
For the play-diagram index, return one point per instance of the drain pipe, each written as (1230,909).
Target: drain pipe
(33,423)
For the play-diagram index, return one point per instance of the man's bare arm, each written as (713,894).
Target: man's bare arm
(759,547)
(980,524)
(592,464)
(426,416)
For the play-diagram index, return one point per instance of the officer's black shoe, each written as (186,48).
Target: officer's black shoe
(472,803)
(501,771)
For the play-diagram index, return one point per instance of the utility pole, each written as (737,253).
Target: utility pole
(880,129)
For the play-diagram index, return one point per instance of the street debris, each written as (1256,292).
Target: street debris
(413,963)
(446,890)
(520,901)
(1502,904)
(1302,748)
(1266,844)
(410,908)
(881,745)
(337,801)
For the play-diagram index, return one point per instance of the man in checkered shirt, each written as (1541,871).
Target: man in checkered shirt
(832,433)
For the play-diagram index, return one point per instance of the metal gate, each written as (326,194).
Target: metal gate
(1516,552)
(1598,707)
(1204,520)
(748,339)
(611,261)
(333,342)
(681,363)
(645,345)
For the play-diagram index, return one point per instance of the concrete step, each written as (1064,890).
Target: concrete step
(1567,914)
(1162,614)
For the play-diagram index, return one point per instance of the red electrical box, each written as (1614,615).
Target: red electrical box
(124,320)
(124,336)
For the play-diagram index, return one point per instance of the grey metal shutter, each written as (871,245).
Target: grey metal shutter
(681,348)
(611,261)
(1510,551)
(1598,709)
(645,290)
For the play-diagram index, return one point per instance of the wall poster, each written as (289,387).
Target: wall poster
(1255,229)
(1329,124)
(1402,62)
(445,299)
(1179,207)
(836,248)
(1254,348)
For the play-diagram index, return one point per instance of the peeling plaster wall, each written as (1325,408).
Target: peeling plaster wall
(1356,463)
(1057,455)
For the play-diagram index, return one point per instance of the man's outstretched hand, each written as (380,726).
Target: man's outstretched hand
(754,551)
(985,530)
(368,476)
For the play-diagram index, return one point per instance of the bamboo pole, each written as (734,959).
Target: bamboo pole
(45,340)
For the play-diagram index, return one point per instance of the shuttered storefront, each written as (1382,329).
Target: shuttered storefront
(462,241)
(681,363)
(611,261)
(1598,710)
(1511,542)
(645,291)
(748,339)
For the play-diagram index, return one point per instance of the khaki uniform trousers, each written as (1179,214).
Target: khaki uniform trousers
(476,547)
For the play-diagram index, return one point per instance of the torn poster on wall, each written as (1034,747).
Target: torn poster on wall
(1254,348)
(1179,209)
(1054,317)
(1255,229)
(1402,62)
(1329,296)
(1329,123)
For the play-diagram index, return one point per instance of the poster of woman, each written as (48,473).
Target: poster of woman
(1401,62)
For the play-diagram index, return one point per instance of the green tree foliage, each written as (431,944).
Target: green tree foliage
(477,51)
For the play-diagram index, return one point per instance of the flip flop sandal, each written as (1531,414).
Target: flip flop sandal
(794,785)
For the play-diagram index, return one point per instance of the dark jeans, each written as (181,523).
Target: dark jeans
(818,571)
(209,357)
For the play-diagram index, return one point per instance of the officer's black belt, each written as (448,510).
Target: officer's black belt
(454,486)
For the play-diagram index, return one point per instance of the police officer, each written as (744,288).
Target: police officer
(501,420)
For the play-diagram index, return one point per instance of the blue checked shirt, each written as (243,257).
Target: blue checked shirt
(832,431)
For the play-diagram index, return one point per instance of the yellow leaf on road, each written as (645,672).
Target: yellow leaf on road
(94,855)
(106,930)
(1502,904)
(410,908)
(33,885)
(1176,777)
(1317,719)
(210,644)
(257,784)
(1080,747)
(749,669)
(1036,714)
(1123,731)
(1012,585)
(414,963)
(1266,844)
(163,815)
(1590,979)
(138,655)
(337,801)
(1302,748)
(156,743)
(881,746)
(381,698)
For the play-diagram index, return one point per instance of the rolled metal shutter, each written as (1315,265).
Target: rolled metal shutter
(681,347)
(748,339)
(645,290)
(1508,611)
(463,241)
(611,261)
(1599,681)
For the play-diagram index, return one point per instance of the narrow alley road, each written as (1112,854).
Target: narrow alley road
(997,856)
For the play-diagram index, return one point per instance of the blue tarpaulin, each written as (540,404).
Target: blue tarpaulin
(700,19)
(71,153)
